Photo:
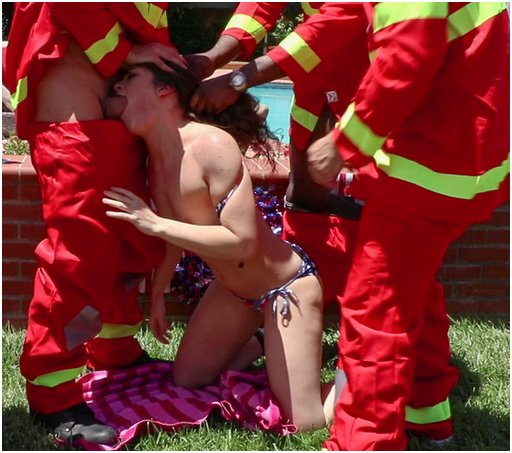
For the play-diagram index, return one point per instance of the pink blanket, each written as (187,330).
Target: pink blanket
(134,400)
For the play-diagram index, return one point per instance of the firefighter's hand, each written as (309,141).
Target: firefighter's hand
(200,64)
(324,162)
(155,52)
(158,319)
(213,96)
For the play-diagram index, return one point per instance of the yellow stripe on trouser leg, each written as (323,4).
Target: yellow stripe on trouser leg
(111,331)
(57,377)
(430,414)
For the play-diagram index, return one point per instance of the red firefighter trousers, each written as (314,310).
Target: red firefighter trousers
(394,328)
(85,282)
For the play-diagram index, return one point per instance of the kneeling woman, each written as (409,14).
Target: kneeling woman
(205,204)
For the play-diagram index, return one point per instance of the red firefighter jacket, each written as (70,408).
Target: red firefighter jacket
(106,32)
(326,56)
(326,53)
(433,108)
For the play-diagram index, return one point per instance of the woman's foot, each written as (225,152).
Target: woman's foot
(328,401)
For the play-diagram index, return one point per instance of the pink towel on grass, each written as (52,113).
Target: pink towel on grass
(136,399)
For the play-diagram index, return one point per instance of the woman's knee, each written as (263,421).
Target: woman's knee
(309,420)
(189,377)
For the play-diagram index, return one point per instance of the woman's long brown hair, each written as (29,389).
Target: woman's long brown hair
(240,120)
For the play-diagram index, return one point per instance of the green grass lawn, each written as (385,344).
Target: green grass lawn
(480,403)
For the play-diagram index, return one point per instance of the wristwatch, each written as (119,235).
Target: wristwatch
(238,81)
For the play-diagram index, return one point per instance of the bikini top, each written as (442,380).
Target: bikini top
(222,203)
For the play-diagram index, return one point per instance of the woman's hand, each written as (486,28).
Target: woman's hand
(132,209)
(158,319)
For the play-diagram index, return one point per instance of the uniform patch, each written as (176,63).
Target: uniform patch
(331,96)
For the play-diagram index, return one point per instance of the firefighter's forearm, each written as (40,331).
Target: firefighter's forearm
(225,49)
(261,70)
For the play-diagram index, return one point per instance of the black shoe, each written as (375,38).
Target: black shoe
(76,423)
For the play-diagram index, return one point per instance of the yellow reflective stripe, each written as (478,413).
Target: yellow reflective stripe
(100,48)
(472,16)
(389,13)
(118,330)
(152,14)
(432,414)
(304,118)
(308,9)
(372,54)
(21,92)
(300,51)
(359,133)
(163,22)
(452,185)
(57,377)
(247,24)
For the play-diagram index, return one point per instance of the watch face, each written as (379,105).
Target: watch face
(238,80)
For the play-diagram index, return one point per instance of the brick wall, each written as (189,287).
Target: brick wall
(476,271)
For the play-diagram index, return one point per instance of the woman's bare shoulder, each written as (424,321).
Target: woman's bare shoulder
(214,146)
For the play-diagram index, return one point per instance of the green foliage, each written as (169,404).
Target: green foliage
(189,30)
(7,12)
(14,145)
(283,27)
(291,17)
(194,29)
(480,403)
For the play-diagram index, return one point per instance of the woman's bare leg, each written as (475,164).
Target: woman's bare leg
(251,351)
(218,329)
(328,401)
(293,345)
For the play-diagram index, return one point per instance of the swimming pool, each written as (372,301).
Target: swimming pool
(278,98)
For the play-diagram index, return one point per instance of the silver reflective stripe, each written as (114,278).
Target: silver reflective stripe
(84,326)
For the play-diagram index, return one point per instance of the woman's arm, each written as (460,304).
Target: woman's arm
(163,274)
(234,240)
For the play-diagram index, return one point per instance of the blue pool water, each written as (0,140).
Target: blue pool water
(278,98)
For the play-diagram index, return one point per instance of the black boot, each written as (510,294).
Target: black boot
(76,423)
